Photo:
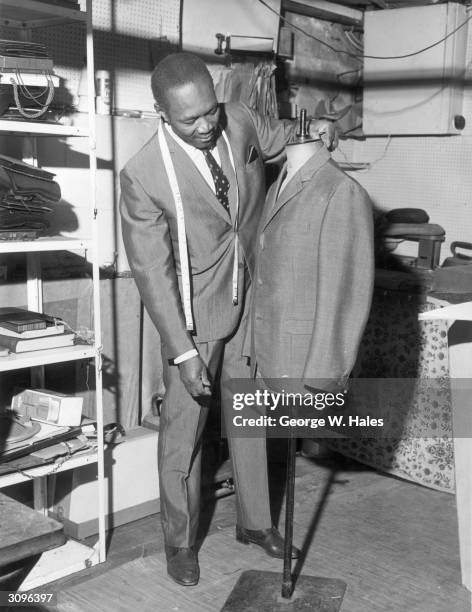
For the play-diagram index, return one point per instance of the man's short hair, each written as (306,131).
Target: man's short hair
(176,70)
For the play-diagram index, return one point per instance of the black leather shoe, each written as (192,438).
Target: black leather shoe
(182,565)
(269,539)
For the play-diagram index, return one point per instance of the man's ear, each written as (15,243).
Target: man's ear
(161,112)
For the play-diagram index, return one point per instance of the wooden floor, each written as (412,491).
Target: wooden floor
(394,544)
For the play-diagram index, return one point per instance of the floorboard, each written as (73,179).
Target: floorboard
(393,542)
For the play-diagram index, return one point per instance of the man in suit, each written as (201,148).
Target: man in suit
(314,273)
(189,224)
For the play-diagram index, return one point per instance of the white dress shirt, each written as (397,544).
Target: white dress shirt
(197,157)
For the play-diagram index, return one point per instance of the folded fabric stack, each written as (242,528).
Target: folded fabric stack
(26,193)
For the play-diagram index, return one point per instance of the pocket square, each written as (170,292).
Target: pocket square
(252,154)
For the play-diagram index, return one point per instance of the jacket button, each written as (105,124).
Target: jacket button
(259,281)
(261,242)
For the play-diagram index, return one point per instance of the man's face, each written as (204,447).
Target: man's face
(192,111)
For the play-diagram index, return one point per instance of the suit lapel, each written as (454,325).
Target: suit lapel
(236,138)
(271,197)
(289,191)
(231,176)
(295,185)
(186,168)
(277,200)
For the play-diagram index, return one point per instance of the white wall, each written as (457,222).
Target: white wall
(118,138)
(433,173)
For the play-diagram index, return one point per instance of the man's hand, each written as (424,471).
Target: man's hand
(326,130)
(194,375)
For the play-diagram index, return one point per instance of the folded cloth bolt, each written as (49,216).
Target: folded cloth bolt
(25,192)
(23,179)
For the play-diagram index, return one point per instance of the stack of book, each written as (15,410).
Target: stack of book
(25,330)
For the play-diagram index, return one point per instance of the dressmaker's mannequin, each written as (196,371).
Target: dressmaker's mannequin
(297,155)
(315,270)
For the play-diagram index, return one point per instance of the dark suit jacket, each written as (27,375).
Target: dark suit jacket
(314,276)
(149,228)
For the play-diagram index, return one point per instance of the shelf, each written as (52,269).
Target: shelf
(73,462)
(40,129)
(31,359)
(48,243)
(32,14)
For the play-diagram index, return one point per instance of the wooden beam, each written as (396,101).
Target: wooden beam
(362,3)
(357,3)
(321,9)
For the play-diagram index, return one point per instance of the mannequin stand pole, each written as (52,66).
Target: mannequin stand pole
(289,505)
(258,591)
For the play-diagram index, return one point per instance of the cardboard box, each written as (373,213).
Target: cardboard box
(131,487)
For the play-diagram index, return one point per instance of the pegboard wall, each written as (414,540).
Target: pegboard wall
(429,172)
(129,37)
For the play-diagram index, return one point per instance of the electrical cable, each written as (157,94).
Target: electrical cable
(353,41)
(360,56)
(340,74)
(376,161)
(365,166)
(20,87)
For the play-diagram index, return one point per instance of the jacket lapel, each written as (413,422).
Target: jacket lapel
(231,176)
(238,143)
(185,167)
(272,194)
(295,185)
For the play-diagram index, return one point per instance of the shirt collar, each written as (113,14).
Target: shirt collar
(189,149)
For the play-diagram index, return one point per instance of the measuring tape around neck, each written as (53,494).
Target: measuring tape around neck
(236,238)
(181,233)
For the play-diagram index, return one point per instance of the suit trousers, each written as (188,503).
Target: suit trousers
(179,449)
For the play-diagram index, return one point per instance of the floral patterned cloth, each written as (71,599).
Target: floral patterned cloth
(398,346)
